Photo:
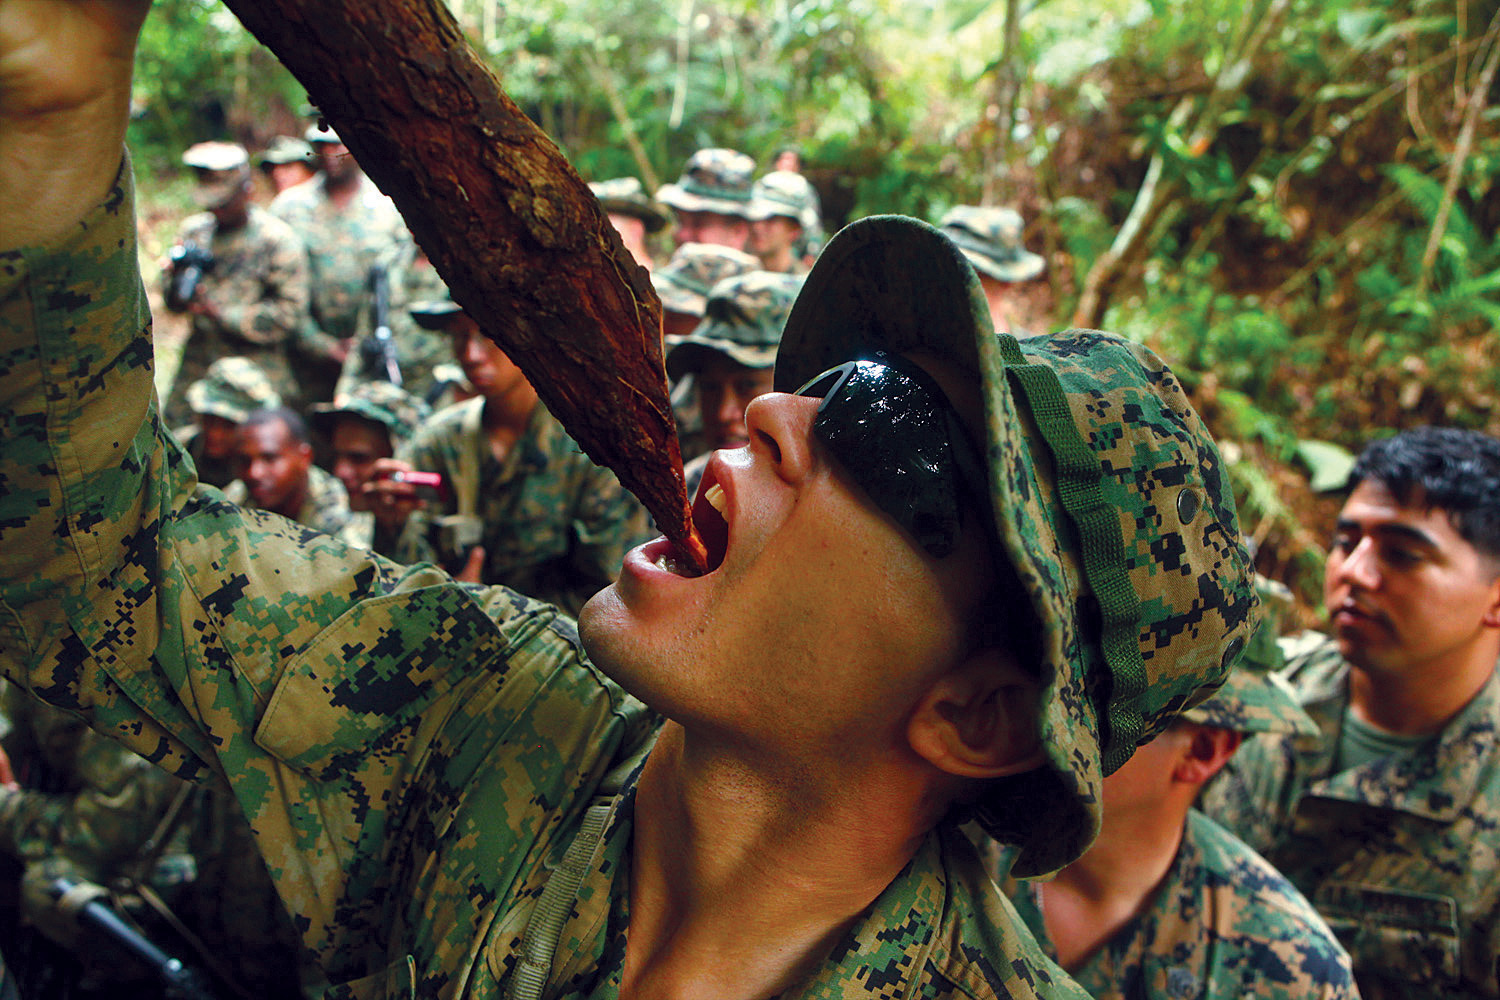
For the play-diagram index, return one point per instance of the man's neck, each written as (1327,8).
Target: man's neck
(341,190)
(1420,702)
(1097,895)
(505,417)
(292,505)
(739,884)
(779,261)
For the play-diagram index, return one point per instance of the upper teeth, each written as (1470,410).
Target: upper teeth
(715,497)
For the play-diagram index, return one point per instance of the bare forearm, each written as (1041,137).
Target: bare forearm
(65,72)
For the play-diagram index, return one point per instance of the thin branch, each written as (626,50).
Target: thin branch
(684,47)
(1477,100)
(606,80)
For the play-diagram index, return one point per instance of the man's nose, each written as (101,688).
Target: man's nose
(780,430)
(1360,566)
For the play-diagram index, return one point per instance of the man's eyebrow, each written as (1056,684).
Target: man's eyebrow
(1407,532)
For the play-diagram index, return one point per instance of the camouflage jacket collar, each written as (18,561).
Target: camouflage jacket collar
(1437,780)
(940,930)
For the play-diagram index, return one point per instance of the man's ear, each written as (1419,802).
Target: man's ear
(1492,613)
(979,720)
(1206,752)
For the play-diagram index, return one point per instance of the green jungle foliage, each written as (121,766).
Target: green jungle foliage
(1295,201)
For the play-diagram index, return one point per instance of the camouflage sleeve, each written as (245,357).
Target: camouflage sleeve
(281,310)
(217,641)
(98,827)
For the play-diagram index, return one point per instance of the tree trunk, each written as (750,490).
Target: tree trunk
(506,220)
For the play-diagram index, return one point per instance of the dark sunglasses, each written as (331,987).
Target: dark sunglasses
(890,426)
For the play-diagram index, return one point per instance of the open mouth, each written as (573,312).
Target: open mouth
(708,518)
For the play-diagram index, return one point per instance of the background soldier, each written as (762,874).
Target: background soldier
(232,389)
(1386,818)
(369,422)
(276,473)
(711,199)
(524,506)
(349,227)
(634,216)
(683,284)
(250,296)
(991,239)
(287,162)
(731,354)
(782,207)
(1167,905)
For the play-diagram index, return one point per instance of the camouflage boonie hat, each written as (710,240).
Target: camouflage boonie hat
(1110,502)
(316,133)
(432,314)
(714,180)
(222,170)
(626,196)
(395,409)
(991,239)
(784,193)
(232,388)
(286,149)
(684,281)
(1254,699)
(742,321)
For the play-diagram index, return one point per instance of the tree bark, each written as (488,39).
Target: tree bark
(512,228)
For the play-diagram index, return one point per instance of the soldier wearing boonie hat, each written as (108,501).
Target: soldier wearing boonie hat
(228,392)
(731,353)
(712,198)
(991,239)
(633,215)
(287,161)
(783,207)
(352,231)
(364,424)
(683,284)
(1167,903)
(1110,503)
(222,169)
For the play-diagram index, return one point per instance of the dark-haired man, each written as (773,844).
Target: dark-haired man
(274,457)
(1387,819)
(908,621)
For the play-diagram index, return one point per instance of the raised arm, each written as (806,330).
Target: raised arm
(64,101)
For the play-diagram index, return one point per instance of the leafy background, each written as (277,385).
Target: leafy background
(1295,201)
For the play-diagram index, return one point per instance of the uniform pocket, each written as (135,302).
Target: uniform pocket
(397,981)
(1401,942)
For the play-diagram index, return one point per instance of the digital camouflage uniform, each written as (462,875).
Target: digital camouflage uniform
(259,284)
(1401,855)
(343,244)
(1222,922)
(325,508)
(554,525)
(415,756)
(683,284)
(232,389)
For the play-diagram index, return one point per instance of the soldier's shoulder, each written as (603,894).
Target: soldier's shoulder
(1311,660)
(270,228)
(1265,903)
